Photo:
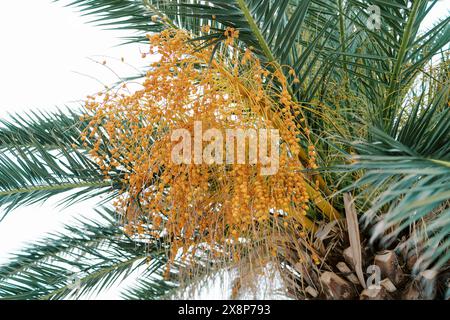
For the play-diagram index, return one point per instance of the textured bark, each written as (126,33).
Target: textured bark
(423,287)
(390,268)
(312,292)
(348,257)
(342,267)
(388,285)
(335,287)
(372,293)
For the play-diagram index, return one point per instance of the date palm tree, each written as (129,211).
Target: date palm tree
(376,89)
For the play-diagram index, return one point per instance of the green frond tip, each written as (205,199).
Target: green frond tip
(41,155)
(407,177)
(130,15)
(87,258)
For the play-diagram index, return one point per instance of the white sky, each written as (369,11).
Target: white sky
(44,49)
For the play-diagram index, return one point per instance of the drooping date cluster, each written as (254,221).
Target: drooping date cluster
(225,206)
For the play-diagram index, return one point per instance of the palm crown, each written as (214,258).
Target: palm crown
(382,83)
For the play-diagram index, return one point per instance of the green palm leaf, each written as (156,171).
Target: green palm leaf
(87,258)
(398,52)
(42,156)
(130,15)
(412,166)
(405,156)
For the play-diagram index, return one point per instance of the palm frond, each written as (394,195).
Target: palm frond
(49,129)
(150,286)
(273,29)
(87,258)
(387,60)
(412,166)
(42,156)
(405,157)
(130,15)
(322,40)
